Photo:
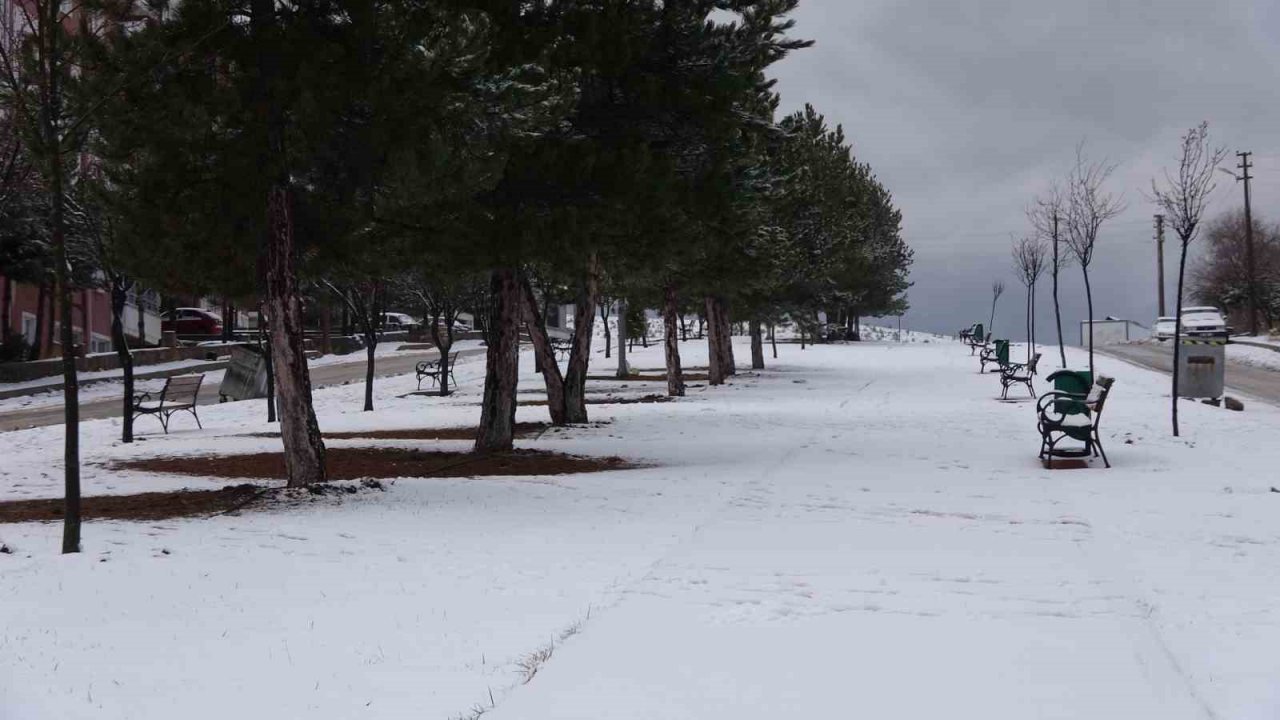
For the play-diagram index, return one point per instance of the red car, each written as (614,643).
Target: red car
(192,321)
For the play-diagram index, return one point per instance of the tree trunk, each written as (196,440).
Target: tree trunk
(299,430)
(684,326)
(729,366)
(1177,337)
(226,321)
(70,386)
(119,293)
(370,349)
(264,347)
(443,343)
(142,317)
(715,364)
(857,327)
(773,339)
(536,322)
(575,376)
(1057,308)
(1026,325)
(6,300)
(608,336)
(622,339)
(670,319)
(326,325)
(502,369)
(702,321)
(1088,296)
(37,346)
(757,345)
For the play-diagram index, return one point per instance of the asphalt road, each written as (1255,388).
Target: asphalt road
(1260,383)
(321,376)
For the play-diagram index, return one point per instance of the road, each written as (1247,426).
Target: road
(321,376)
(1258,382)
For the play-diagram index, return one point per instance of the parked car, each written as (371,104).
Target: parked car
(461,326)
(1203,321)
(399,321)
(1164,328)
(192,321)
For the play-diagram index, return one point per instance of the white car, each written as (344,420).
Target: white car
(399,321)
(1164,328)
(1203,321)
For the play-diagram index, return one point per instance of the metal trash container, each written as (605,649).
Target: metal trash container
(246,375)
(1202,365)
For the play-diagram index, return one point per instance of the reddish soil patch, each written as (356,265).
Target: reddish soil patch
(522,430)
(634,377)
(606,401)
(355,463)
(146,506)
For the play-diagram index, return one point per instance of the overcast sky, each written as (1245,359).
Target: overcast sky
(967,110)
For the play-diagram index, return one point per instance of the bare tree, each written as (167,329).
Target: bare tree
(364,299)
(1089,206)
(1030,258)
(1182,197)
(1046,214)
(1221,276)
(997,289)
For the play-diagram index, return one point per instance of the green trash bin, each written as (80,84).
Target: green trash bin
(1076,382)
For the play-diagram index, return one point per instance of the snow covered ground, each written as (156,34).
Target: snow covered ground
(861,530)
(1255,356)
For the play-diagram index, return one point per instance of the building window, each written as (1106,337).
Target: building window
(29,328)
(100,344)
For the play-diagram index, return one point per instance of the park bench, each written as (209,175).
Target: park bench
(965,334)
(179,393)
(996,353)
(431,369)
(1063,415)
(561,347)
(977,340)
(1018,373)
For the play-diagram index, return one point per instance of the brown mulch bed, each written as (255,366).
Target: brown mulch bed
(522,430)
(144,506)
(342,464)
(606,401)
(362,462)
(635,377)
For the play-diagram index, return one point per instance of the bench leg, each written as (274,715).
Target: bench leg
(164,421)
(1097,442)
(197,417)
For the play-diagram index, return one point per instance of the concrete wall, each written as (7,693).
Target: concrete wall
(22,372)
(1112,332)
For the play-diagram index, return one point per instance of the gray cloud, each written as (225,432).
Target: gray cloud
(968,109)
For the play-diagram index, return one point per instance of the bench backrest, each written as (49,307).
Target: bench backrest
(1098,394)
(181,389)
(1002,352)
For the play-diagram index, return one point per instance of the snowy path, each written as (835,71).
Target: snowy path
(873,569)
(859,531)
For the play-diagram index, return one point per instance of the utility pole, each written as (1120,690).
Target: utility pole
(1248,241)
(1160,261)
